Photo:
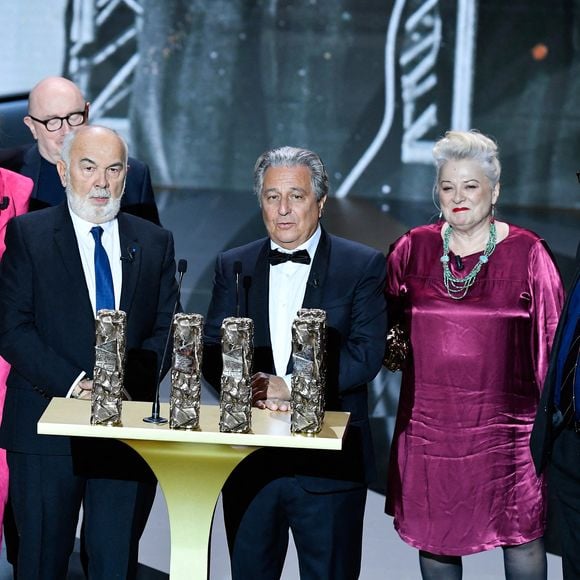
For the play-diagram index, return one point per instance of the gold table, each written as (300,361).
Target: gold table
(191,466)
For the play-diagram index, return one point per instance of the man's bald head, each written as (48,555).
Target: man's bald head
(53,98)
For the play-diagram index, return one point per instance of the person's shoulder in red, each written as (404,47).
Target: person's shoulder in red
(15,190)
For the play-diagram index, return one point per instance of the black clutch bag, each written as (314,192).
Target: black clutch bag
(397,349)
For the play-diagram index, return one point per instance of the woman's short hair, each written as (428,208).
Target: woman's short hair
(292,157)
(471,145)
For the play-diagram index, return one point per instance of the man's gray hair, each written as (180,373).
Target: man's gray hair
(70,137)
(292,157)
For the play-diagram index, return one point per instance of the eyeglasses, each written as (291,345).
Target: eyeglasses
(55,123)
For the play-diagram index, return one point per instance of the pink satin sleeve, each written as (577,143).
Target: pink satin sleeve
(547,298)
(396,263)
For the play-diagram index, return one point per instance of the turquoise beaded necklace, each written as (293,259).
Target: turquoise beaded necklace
(457,288)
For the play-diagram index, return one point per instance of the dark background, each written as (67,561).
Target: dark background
(202,87)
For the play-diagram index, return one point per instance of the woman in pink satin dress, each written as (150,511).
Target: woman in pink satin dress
(15,192)
(480,300)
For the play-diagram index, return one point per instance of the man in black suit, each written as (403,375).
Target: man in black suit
(56,106)
(49,293)
(319,495)
(556,434)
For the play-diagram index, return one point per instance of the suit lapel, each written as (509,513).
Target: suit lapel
(67,248)
(259,297)
(318,273)
(131,256)
(548,394)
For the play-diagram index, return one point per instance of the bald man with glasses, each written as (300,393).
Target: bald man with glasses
(54,124)
(56,106)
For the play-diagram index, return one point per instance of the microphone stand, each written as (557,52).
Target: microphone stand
(247,282)
(237,272)
(155,416)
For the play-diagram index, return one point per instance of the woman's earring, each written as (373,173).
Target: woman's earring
(492,213)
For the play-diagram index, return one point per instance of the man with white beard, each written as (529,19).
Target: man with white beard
(53,279)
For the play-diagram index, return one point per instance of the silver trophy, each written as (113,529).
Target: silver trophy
(186,371)
(236,391)
(107,393)
(309,371)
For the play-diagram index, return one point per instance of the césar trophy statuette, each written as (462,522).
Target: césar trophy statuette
(186,371)
(236,390)
(107,393)
(309,371)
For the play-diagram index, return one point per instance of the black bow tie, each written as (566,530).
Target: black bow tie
(276,257)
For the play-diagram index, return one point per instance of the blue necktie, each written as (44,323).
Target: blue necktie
(103,276)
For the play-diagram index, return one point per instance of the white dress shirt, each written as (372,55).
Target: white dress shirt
(86,243)
(287,289)
(111,243)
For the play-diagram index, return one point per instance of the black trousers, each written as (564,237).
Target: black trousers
(327,529)
(564,480)
(46,497)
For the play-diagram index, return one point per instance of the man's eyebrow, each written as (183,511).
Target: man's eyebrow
(300,189)
(91,161)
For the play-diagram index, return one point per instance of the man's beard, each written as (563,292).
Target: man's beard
(81,205)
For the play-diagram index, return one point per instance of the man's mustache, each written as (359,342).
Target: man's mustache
(100,193)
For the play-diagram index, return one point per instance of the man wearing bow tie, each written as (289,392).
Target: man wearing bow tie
(319,495)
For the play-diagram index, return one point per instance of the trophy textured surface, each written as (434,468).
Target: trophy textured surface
(107,394)
(236,391)
(309,371)
(186,371)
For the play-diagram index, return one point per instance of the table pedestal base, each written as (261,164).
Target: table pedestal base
(191,478)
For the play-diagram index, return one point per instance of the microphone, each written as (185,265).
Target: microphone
(237,272)
(314,282)
(4,203)
(458,263)
(131,251)
(247,282)
(155,417)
